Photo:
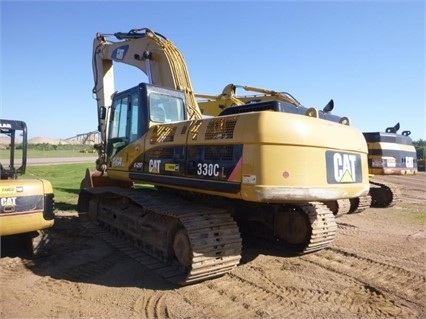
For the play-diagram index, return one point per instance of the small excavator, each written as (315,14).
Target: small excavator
(184,188)
(26,205)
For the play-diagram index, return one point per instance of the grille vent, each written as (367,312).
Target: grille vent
(161,134)
(194,130)
(220,128)
(163,152)
(219,152)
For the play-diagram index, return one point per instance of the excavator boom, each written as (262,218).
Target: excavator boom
(150,52)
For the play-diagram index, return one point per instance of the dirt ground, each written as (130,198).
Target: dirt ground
(375,268)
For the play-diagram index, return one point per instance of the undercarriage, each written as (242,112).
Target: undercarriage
(196,241)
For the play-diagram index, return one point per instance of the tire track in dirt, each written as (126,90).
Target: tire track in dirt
(417,239)
(152,304)
(177,303)
(72,264)
(88,271)
(248,292)
(241,298)
(47,287)
(52,287)
(347,229)
(232,296)
(341,301)
(370,288)
(71,279)
(395,288)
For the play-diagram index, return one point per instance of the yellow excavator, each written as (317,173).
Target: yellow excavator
(184,188)
(26,205)
(389,153)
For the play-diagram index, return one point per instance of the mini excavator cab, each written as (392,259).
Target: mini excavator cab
(11,129)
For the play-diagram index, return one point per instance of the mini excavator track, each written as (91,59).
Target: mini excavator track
(194,242)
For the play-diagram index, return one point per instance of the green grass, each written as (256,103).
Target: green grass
(4,154)
(65,179)
(421,218)
(414,212)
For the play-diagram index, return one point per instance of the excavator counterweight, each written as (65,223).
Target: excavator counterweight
(389,153)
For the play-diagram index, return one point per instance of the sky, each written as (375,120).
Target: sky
(368,56)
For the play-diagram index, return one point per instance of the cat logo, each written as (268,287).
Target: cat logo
(8,201)
(119,53)
(343,168)
(7,204)
(154,166)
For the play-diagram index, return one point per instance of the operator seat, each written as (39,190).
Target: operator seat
(158,114)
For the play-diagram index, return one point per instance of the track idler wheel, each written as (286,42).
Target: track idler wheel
(292,228)
(305,228)
(182,250)
(381,196)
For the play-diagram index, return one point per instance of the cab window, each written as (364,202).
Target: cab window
(166,109)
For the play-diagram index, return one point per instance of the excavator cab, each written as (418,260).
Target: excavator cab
(135,110)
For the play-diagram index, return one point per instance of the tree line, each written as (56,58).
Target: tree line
(420,147)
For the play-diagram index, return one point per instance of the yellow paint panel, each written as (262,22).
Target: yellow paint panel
(23,223)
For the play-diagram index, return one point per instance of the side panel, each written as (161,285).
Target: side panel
(203,167)
(25,205)
(259,156)
(23,223)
